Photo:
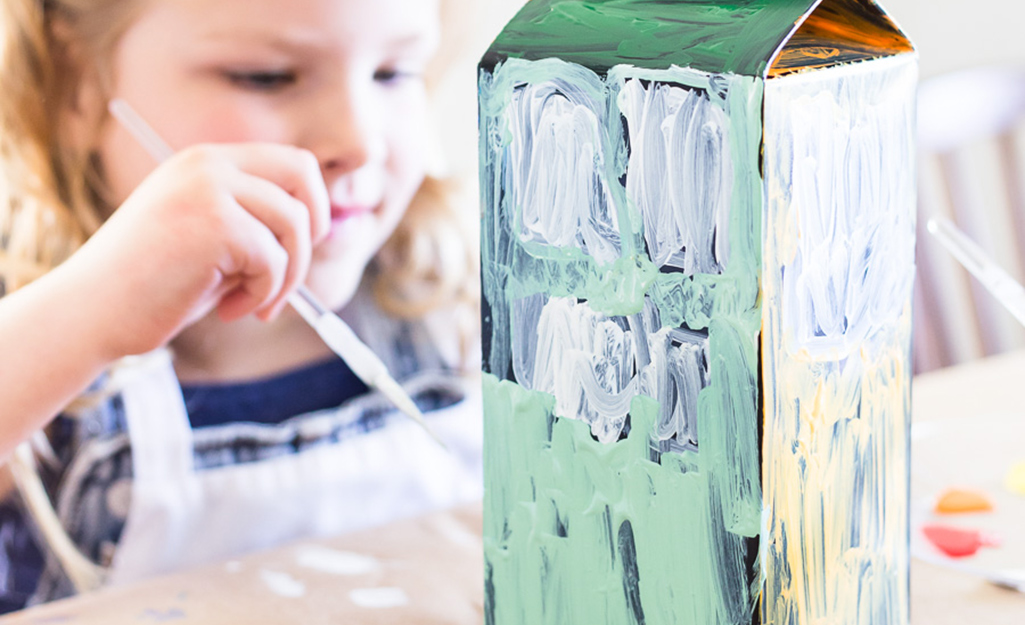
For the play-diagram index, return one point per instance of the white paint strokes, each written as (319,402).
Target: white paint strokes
(680,173)
(586,360)
(379,598)
(674,378)
(150,614)
(282,584)
(525,315)
(558,184)
(334,562)
(845,232)
(838,264)
(594,365)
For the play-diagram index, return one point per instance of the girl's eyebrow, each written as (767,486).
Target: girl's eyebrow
(298,41)
(295,40)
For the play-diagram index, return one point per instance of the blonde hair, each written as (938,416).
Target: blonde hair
(430,263)
(51,198)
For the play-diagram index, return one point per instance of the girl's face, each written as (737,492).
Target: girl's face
(341,78)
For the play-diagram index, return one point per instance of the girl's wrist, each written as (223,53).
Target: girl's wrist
(52,350)
(91,326)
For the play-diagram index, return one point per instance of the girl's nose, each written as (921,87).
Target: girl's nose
(346,135)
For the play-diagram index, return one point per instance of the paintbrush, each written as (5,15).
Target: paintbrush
(1006,289)
(332,330)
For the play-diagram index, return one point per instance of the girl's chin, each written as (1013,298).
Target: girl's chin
(333,294)
(334,279)
(348,237)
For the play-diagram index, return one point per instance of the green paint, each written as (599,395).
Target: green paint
(620,289)
(556,502)
(717,37)
(560,507)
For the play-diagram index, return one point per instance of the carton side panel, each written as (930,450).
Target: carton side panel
(620,249)
(838,269)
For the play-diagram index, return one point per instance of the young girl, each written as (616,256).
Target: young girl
(145,304)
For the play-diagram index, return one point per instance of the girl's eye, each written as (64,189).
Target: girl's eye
(389,76)
(262,80)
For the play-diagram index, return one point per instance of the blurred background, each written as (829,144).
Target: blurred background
(971,166)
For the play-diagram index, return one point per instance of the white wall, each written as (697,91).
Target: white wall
(958,34)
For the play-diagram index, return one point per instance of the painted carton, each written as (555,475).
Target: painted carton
(697,260)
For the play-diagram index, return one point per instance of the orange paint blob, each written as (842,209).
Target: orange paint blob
(958,542)
(959,501)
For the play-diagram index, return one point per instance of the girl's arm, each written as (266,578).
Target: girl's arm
(227,227)
(52,346)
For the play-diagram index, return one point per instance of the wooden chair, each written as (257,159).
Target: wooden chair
(972,162)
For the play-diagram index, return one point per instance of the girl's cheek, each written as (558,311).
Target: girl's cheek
(410,134)
(235,124)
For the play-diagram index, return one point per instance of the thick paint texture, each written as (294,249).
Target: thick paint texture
(643,290)
(838,269)
(622,469)
(735,37)
(602,533)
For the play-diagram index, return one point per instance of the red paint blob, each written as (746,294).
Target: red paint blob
(957,542)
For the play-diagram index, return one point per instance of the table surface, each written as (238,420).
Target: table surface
(430,570)
(985,391)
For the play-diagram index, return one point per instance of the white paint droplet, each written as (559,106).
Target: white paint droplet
(455,532)
(379,597)
(282,584)
(335,562)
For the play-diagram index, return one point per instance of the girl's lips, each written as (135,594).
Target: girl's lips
(343,212)
(343,218)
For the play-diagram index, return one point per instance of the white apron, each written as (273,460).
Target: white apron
(180,517)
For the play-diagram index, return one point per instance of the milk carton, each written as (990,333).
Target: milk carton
(697,260)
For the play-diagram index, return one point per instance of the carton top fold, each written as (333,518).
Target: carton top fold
(765,38)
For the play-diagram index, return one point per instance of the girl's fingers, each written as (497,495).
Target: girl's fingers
(295,170)
(262,206)
(287,218)
(259,262)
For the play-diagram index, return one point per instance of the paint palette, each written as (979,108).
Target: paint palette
(974,454)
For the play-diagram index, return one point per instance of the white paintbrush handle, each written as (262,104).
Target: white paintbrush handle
(1006,289)
(344,342)
(368,367)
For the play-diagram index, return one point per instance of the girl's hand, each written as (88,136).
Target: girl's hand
(229,227)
